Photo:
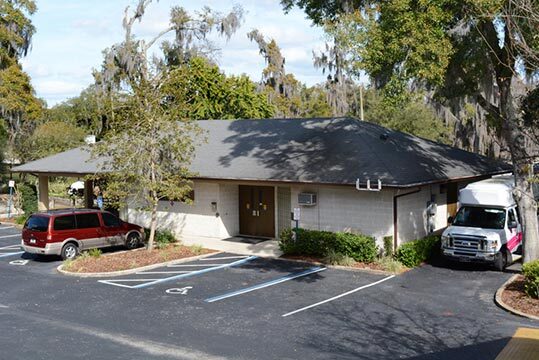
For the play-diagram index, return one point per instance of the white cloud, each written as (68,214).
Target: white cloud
(70,39)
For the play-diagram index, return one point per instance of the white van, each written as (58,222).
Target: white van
(487,226)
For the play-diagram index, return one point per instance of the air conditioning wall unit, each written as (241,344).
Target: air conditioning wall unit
(307,199)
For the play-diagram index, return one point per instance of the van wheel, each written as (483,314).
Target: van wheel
(70,251)
(133,241)
(500,261)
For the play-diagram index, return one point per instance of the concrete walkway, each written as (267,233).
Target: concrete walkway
(268,248)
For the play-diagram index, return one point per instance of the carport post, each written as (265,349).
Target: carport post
(88,194)
(43,190)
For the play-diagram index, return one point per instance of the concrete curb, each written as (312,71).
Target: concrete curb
(132,271)
(498,300)
(339,267)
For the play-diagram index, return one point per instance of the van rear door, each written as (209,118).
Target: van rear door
(35,230)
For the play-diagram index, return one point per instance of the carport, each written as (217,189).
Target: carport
(75,163)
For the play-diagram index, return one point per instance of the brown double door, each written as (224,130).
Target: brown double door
(257,211)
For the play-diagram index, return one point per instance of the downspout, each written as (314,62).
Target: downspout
(395,216)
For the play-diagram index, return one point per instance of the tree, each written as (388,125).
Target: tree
(455,48)
(207,93)
(17,99)
(148,149)
(53,137)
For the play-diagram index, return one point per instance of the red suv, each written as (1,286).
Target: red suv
(67,232)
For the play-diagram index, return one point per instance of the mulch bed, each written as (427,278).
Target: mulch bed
(514,296)
(132,259)
(315,260)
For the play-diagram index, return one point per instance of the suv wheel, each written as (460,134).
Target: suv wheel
(132,241)
(70,251)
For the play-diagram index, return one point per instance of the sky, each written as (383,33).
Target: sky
(71,35)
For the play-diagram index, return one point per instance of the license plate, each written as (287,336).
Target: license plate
(465,259)
(32,241)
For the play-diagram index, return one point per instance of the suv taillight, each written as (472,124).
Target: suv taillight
(49,237)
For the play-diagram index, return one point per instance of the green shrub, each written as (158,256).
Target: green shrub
(415,252)
(335,258)
(163,237)
(388,246)
(21,219)
(390,264)
(531,276)
(321,243)
(94,253)
(28,198)
(197,249)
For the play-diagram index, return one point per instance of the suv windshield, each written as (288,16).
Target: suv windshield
(37,223)
(488,218)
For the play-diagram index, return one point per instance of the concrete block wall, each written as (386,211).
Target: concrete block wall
(198,219)
(341,208)
(412,213)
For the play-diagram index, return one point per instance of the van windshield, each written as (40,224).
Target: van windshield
(37,223)
(488,218)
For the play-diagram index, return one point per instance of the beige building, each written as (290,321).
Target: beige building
(341,173)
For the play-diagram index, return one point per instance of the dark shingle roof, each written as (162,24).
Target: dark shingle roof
(332,150)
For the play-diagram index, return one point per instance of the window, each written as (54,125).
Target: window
(110,220)
(86,221)
(37,223)
(511,216)
(64,222)
(488,218)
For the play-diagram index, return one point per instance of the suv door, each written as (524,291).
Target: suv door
(63,227)
(89,231)
(112,228)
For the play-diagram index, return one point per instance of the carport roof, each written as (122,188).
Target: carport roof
(324,151)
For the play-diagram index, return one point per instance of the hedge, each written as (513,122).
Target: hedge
(531,277)
(415,252)
(321,243)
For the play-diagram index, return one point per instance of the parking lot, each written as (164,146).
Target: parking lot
(242,307)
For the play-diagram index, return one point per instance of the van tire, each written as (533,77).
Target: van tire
(132,241)
(500,260)
(70,251)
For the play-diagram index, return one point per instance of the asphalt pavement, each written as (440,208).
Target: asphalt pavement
(231,306)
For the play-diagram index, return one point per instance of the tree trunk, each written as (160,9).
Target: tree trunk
(523,171)
(153,225)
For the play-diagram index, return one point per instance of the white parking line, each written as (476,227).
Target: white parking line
(6,227)
(339,296)
(194,265)
(224,258)
(150,282)
(10,236)
(11,254)
(163,272)
(267,284)
(10,247)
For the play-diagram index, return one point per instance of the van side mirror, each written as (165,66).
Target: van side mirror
(450,220)
(512,225)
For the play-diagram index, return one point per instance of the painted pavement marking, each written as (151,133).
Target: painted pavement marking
(11,254)
(10,236)
(266,284)
(338,296)
(224,258)
(150,282)
(524,345)
(179,291)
